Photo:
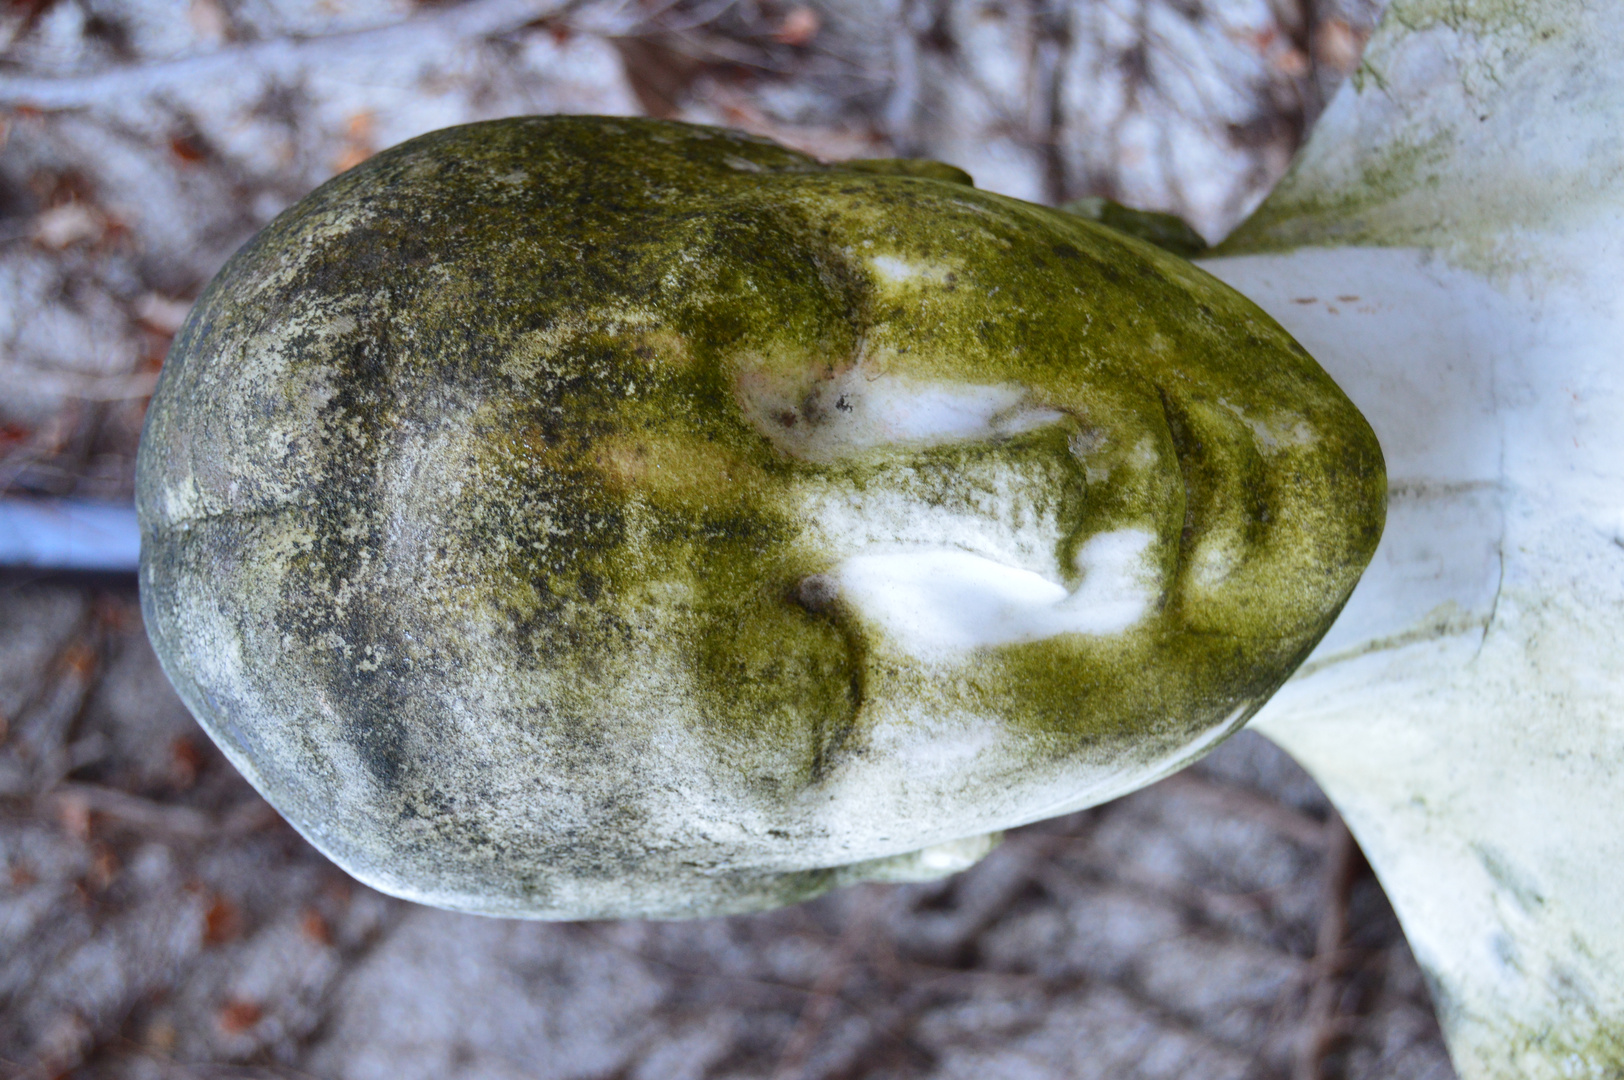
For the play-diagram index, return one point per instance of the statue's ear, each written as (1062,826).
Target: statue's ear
(923,168)
(1167,231)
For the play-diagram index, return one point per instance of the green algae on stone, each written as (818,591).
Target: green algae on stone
(1167,231)
(574,517)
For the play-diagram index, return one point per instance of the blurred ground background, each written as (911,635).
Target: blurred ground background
(158,920)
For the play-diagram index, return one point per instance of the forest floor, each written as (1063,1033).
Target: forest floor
(157,919)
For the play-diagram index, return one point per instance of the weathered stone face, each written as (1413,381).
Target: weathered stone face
(573,517)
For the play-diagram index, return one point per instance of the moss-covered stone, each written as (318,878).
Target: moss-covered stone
(580,517)
(1167,231)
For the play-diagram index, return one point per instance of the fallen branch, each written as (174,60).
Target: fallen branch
(280,58)
(77,800)
(1320,1023)
(826,991)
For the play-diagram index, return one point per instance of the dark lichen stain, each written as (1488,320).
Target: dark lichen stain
(531,451)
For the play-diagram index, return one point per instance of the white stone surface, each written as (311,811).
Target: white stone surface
(1461,210)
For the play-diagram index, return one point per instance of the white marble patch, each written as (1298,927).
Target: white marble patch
(935,603)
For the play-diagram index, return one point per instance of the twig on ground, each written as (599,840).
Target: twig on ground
(75,800)
(826,991)
(1319,1026)
(283,57)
